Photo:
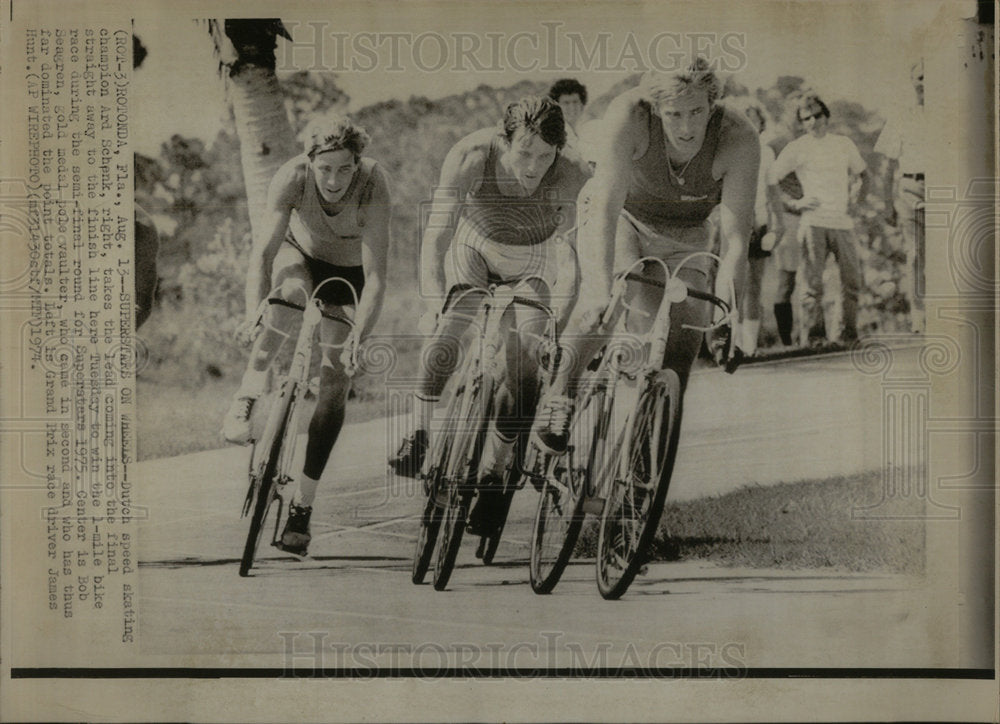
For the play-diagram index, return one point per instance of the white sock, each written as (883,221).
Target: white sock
(254,383)
(423,410)
(307,491)
(496,452)
(751,329)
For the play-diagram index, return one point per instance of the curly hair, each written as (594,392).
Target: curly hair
(333,133)
(538,115)
(808,100)
(662,87)
(567,87)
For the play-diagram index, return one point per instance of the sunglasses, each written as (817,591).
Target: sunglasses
(811,116)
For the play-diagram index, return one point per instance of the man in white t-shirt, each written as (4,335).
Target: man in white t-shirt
(832,174)
(903,141)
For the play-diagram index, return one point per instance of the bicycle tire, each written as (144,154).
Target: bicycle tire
(460,479)
(264,470)
(433,511)
(555,531)
(628,523)
(558,523)
(430,524)
(492,541)
(453,527)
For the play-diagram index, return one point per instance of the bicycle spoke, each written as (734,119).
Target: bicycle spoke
(635,500)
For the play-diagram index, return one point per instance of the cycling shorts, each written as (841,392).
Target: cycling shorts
(635,239)
(477,261)
(291,254)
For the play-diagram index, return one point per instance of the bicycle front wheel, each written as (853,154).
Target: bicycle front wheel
(265,470)
(459,479)
(636,494)
(430,524)
(452,529)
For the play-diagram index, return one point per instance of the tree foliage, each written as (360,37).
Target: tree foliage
(199,189)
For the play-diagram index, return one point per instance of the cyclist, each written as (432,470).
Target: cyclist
(328,215)
(669,155)
(504,202)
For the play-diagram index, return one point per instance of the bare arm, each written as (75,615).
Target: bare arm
(889,144)
(859,188)
(374,256)
(285,189)
(605,197)
(461,166)
(776,199)
(736,212)
(564,291)
(859,181)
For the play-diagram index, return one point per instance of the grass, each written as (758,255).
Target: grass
(807,524)
(176,420)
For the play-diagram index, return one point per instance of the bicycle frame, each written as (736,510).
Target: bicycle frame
(312,316)
(487,363)
(451,479)
(607,379)
(609,402)
(273,453)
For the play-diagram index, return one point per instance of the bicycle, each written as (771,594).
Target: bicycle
(451,470)
(274,451)
(623,441)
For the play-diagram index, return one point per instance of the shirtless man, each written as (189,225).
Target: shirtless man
(670,154)
(328,214)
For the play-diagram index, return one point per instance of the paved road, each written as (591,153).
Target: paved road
(771,422)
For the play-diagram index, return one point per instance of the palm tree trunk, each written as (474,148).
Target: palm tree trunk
(266,138)
(245,49)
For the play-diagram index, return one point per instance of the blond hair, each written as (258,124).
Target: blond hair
(659,87)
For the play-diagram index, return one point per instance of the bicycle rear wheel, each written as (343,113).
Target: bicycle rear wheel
(264,472)
(558,520)
(559,516)
(636,494)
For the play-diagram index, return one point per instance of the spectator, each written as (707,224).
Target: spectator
(830,169)
(788,252)
(757,255)
(788,257)
(902,141)
(571,95)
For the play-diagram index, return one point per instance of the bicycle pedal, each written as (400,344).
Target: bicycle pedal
(594,506)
